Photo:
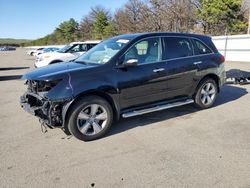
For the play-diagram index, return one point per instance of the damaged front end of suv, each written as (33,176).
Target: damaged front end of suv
(47,97)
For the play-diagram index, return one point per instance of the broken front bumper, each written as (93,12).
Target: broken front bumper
(49,112)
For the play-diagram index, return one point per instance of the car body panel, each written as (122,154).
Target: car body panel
(47,73)
(46,50)
(130,87)
(51,57)
(141,85)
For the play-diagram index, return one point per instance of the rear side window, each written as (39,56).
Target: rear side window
(89,46)
(83,48)
(177,47)
(201,48)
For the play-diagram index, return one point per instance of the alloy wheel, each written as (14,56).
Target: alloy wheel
(208,93)
(92,119)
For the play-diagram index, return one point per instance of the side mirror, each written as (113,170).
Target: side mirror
(130,63)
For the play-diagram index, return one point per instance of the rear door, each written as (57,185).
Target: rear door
(204,55)
(181,66)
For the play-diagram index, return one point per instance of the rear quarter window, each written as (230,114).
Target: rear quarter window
(89,46)
(201,48)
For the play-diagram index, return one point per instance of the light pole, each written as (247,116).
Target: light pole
(248,30)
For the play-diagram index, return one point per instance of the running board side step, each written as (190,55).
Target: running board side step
(157,108)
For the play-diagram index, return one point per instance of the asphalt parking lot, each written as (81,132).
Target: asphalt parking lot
(180,147)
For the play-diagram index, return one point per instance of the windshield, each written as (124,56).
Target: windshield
(103,52)
(46,49)
(65,48)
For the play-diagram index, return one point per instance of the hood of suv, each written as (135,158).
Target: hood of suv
(55,71)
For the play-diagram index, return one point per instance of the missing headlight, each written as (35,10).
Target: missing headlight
(41,86)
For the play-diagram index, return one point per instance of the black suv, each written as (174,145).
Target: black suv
(126,75)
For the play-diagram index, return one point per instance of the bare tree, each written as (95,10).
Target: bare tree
(131,18)
(86,28)
(171,15)
(246,12)
(245,5)
(148,16)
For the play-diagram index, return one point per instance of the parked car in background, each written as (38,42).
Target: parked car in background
(67,53)
(125,76)
(33,51)
(46,50)
(7,48)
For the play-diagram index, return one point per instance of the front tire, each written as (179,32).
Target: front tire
(206,94)
(90,118)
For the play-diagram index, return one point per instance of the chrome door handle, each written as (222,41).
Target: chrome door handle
(158,70)
(197,62)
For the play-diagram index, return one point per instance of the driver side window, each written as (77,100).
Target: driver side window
(145,51)
(79,48)
(75,49)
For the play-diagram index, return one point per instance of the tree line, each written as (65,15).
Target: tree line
(13,42)
(211,17)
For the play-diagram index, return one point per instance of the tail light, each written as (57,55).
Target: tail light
(222,59)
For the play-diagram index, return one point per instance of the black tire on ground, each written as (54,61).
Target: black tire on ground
(84,106)
(32,53)
(205,87)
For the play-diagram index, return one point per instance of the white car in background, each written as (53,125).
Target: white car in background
(46,50)
(33,51)
(67,53)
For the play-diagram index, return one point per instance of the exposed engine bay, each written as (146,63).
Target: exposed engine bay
(35,101)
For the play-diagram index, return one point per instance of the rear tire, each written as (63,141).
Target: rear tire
(206,94)
(90,118)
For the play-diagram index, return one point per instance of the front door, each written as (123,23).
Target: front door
(146,82)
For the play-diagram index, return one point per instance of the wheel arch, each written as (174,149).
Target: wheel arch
(105,96)
(211,76)
(55,61)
